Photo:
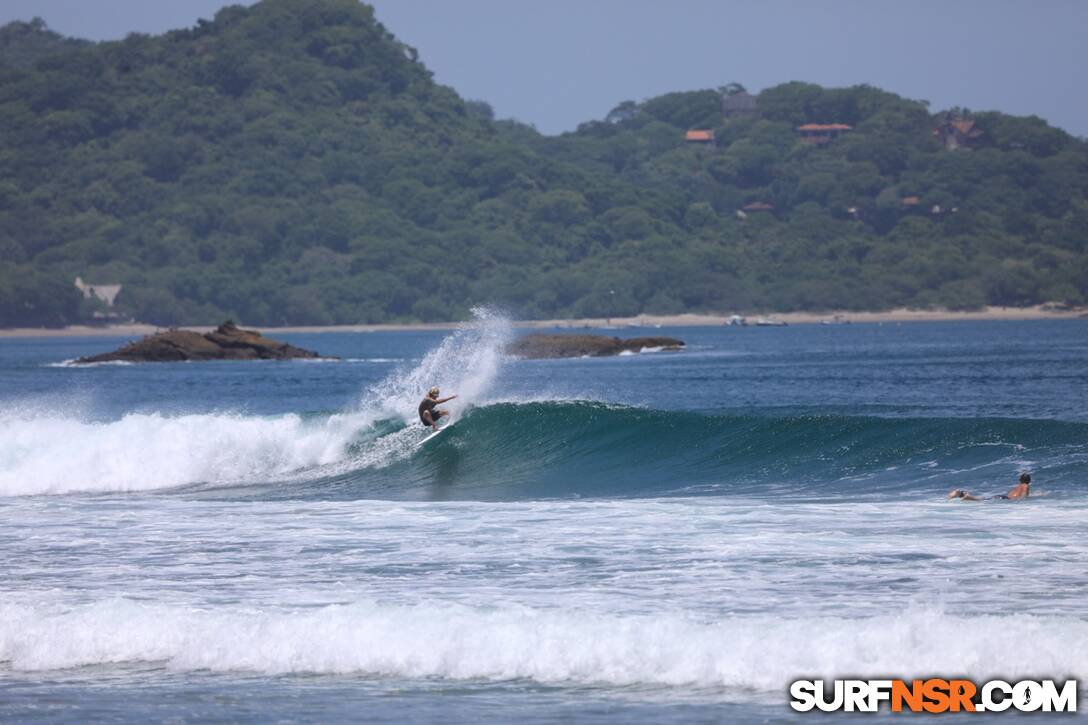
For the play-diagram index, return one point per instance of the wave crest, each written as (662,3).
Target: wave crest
(510,451)
(456,642)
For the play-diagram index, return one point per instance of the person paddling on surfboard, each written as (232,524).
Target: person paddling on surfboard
(1021,490)
(428,412)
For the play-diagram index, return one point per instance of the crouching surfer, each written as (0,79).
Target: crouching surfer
(429,412)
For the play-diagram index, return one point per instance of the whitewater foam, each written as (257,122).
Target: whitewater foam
(152,451)
(452,641)
(73,363)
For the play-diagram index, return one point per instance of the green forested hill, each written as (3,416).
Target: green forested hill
(292,162)
(24,44)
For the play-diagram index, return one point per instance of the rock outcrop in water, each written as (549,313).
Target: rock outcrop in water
(226,342)
(551,346)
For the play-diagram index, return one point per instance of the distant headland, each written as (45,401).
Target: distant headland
(294,164)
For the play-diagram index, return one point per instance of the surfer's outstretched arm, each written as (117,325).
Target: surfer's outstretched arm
(444,400)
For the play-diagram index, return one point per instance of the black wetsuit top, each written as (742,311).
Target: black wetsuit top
(427,404)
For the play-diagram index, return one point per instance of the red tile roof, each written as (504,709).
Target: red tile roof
(963,125)
(699,136)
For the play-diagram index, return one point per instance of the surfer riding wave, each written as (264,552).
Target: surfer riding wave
(429,412)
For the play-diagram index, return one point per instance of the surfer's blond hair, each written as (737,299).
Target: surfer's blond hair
(433,392)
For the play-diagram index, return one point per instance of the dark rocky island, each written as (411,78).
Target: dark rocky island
(226,342)
(551,346)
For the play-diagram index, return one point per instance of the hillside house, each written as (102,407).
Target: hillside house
(957,133)
(105,292)
(821,133)
(739,105)
(754,207)
(699,137)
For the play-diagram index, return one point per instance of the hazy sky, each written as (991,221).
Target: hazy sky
(556,63)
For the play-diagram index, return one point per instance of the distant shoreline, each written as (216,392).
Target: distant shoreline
(1038,312)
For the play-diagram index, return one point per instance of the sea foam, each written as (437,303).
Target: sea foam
(150,451)
(457,642)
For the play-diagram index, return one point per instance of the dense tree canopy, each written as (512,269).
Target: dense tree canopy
(24,44)
(292,162)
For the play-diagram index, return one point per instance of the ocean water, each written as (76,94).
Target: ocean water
(657,538)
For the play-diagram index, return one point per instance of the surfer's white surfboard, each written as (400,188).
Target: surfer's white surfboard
(434,434)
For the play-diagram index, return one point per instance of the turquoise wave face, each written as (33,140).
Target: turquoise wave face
(512,451)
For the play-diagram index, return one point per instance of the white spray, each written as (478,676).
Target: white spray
(466,363)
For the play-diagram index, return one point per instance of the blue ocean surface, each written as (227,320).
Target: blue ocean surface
(652,538)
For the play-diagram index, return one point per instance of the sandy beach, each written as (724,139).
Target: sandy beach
(1038,312)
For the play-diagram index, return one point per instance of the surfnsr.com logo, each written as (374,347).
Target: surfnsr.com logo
(933,695)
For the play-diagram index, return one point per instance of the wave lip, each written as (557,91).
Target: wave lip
(456,642)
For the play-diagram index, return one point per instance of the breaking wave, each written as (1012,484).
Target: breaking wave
(457,642)
(509,451)
(526,449)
